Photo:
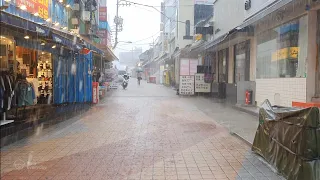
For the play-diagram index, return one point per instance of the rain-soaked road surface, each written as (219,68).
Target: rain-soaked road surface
(144,132)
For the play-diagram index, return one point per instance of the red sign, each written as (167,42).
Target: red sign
(103,14)
(35,6)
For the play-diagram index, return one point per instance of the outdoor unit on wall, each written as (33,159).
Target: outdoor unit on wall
(86,15)
(74,21)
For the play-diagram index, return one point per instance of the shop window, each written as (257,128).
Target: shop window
(282,51)
(223,65)
(242,61)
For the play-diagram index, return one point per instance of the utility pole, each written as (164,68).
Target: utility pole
(116,21)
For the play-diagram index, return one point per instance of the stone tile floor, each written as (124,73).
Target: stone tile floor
(143,133)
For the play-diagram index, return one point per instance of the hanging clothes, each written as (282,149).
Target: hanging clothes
(7,87)
(25,93)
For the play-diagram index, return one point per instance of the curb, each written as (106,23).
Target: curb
(245,110)
(241,138)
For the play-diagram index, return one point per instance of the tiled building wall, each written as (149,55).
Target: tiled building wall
(281,91)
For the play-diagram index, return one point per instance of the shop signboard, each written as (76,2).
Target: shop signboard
(186,85)
(35,6)
(103,14)
(200,85)
(286,53)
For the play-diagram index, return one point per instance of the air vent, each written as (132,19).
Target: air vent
(76,7)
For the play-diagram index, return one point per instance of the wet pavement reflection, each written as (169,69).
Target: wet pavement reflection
(144,132)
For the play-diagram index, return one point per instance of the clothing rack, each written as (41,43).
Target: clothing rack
(8,92)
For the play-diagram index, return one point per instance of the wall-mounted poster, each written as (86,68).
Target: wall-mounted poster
(184,67)
(193,66)
(200,85)
(186,85)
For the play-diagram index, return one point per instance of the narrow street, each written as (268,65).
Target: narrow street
(145,132)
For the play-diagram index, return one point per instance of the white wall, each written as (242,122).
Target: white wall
(281,91)
(256,6)
(228,14)
(185,12)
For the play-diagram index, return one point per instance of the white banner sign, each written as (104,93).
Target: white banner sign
(200,85)
(186,85)
(184,67)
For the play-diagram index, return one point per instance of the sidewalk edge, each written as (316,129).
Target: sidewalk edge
(245,110)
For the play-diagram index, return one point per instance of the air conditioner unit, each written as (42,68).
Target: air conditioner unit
(86,15)
(75,21)
(76,7)
(75,30)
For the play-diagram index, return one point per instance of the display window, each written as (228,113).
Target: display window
(44,76)
(7,61)
(282,51)
(36,66)
(223,66)
(242,61)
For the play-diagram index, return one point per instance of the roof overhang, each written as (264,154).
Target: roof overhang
(107,52)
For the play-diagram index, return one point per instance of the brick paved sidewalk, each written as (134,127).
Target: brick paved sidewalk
(141,133)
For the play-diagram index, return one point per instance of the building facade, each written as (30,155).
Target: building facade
(267,47)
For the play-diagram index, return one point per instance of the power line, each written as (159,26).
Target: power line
(154,9)
(123,49)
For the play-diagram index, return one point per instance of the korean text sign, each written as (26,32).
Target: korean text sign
(186,85)
(35,6)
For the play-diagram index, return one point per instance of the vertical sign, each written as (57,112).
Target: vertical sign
(103,26)
(103,14)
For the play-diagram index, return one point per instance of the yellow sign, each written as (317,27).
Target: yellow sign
(198,37)
(293,52)
(286,53)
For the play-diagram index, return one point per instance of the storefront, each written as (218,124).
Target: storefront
(44,68)
(281,62)
(36,66)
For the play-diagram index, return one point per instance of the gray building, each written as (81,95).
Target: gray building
(130,58)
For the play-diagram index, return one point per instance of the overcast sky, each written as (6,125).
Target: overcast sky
(139,23)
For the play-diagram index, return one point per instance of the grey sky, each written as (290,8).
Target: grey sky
(139,23)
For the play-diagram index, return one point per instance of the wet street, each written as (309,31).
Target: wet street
(146,132)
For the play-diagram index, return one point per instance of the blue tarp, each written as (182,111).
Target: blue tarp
(71,82)
(59,13)
(60,90)
(88,59)
(80,79)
